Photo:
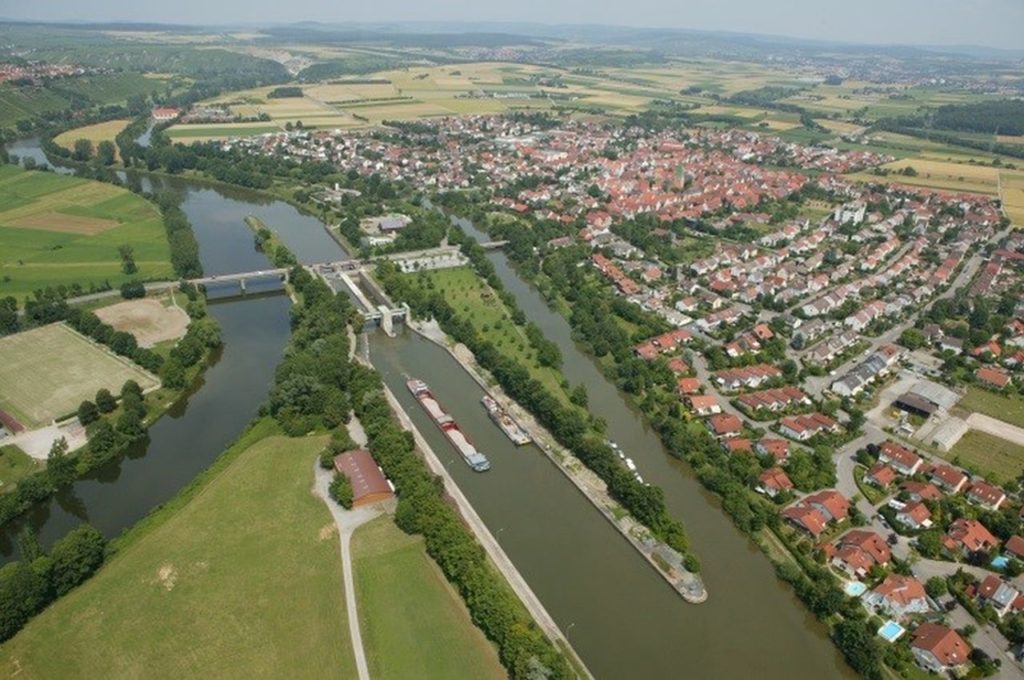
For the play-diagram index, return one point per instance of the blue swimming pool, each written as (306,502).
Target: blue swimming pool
(854,588)
(891,631)
(1001,562)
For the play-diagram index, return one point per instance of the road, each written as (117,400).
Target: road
(347,522)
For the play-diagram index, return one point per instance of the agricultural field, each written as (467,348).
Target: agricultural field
(1012,193)
(58,230)
(946,175)
(245,572)
(978,400)
(413,622)
(992,456)
(46,372)
(150,320)
(474,300)
(100,132)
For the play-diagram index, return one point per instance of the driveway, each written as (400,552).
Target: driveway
(347,522)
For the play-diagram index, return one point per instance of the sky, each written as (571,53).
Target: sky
(991,23)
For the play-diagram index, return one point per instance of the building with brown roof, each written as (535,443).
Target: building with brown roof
(921,491)
(969,535)
(939,649)
(778,449)
(948,477)
(880,475)
(1014,547)
(687,386)
(996,593)
(857,551)
(902,459)
(725,425)
(815,511)
(915,515)
(703,404)
(898,595)
(774,481)
(986,495)
(993,377)
(804,427)
(368,482)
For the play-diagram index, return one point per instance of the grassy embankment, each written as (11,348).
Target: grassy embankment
(474,300)
(413,622)
(240,576)
(57,230)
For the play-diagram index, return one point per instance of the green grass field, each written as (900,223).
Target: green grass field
(57,230)
(15,464)
(980,400)
(46,372)
(29,102)
(241,581)
(414,624)
(990,455)
(473,299)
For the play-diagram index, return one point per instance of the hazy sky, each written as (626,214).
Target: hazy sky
(994,23)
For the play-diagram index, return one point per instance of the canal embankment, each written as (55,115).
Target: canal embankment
(666,561)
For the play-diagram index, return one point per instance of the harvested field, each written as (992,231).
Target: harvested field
(100,132)
(45,373)
(147,319)
(66,224)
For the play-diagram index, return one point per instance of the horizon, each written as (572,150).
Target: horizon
(989,24)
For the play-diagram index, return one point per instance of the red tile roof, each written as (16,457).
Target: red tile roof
(945,644)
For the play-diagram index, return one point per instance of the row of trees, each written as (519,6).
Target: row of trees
(28,585)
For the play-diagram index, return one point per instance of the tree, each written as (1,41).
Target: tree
(106,152)
(912,339)
(59,467)
(75,557)
(131,290)
(859,645)
(105,401)
(172,373)
(88,413)
(82,150)
(127,254)
(936,587)
(341,490)
(578,396)
(22,593)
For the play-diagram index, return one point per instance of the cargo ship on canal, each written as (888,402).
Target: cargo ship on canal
(449,427)
(504,421)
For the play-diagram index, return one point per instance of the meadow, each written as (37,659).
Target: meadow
(413,623)
(996,458)
(241,580)
(48,371)
(58,230)
(15,464)
(19,103)
(979,400)
(106,131)
(473,299)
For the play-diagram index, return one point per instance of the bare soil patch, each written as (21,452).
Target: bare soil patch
(147,319)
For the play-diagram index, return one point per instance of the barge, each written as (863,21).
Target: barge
(476,460)
(504,421)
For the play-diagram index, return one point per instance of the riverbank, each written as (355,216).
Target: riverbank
(661,557)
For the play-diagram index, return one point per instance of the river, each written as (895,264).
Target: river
(255,330)
(622,617)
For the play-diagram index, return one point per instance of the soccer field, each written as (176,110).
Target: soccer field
(45,373)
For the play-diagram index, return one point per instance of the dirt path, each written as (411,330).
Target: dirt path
(347,522)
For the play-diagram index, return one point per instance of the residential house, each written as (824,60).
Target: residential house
(803,427)
(948,478)
(725,425)
(986,495)
(703,404)
(815,511)
(737,445)
(968,535)
(897,596)
(880,475)
(993,377)
(857,551)
(1014,547)
(998,594)
(939,649)
(778,449)
(774,481)
(914,515)
(902,459)
(688,386)
(921,491)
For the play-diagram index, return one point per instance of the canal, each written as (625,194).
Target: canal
(622,617)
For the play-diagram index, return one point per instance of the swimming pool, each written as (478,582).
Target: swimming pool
(854,588)
(891,631)
(1001,562)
